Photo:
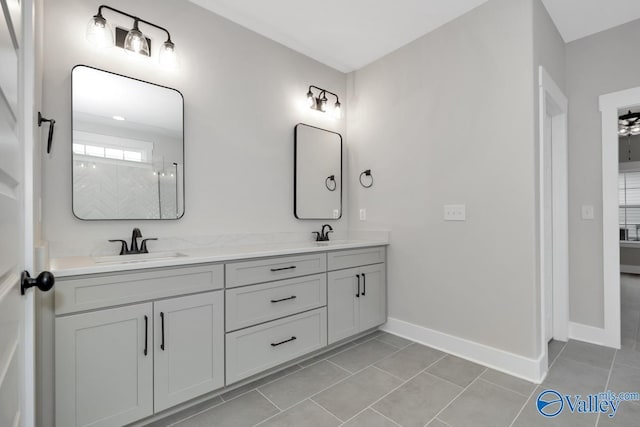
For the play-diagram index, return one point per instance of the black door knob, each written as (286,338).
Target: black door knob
(44,281)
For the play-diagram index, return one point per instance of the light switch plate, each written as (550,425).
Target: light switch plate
(363,214)
(455,213)
(588,212)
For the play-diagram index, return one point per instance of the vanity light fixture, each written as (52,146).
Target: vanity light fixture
(99,33)
(629,124)
(320,102)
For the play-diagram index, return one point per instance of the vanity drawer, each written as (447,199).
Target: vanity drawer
(270,269)
(250,305)
(253,350)
(106,290)
(356,257)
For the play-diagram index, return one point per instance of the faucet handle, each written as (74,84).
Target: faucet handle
(123,249)
(326,235)
(143,248)
(317,233)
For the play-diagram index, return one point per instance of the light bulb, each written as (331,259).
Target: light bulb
(99,32)
(311,101)
(136,42)
(167,57)
(337,110)
(323,104)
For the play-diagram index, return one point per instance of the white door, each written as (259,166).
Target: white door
(188,347)
(16,229)
(547,210)
(343,297)
(373,296)
(104,367)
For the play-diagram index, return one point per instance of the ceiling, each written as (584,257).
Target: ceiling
(576,19)
(344,34)
(347,35)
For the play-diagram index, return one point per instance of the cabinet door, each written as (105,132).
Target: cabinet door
(103,376)
(373,296)
(189,347)
(342,304)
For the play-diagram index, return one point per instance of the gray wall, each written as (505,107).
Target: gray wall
(596,65)
(243,95)
(449,119)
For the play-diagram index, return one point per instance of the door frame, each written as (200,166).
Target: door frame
(553,103)
(610,104)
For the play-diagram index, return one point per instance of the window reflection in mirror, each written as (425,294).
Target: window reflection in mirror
(127,148)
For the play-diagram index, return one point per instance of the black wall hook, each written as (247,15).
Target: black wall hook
(366,173)
(52,123)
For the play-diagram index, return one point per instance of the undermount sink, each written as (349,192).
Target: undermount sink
(124,259)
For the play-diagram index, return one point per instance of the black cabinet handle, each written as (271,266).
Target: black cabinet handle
(283,299)
(364,284)
(146,334)
(283,268)
(358,294)
(283,342)
(162,330)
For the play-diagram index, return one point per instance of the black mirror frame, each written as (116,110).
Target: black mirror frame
(184,195)
(295,172)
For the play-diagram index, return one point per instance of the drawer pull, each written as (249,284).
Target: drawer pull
(162,322)
(283,299)
(146,333)
(364,284)
(283,268)
(283,342)
(358,293)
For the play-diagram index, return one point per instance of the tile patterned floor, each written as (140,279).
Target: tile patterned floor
(383,380)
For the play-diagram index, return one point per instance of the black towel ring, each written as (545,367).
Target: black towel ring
(329,179)
(366,173)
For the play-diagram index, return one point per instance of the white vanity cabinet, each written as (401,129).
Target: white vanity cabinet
(112,366)
(104,367)
(356,296)
(131,344)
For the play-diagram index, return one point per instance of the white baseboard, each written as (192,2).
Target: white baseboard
(590,334)
(533,370)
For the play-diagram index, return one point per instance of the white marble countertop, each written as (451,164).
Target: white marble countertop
(81,265)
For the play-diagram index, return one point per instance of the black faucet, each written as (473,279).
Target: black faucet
(133,249)
(323,236)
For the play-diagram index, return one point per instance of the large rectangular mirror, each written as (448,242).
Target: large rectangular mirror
(128,147)
(317,173)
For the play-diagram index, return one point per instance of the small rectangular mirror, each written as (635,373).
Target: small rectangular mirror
(317,173)
(128,147)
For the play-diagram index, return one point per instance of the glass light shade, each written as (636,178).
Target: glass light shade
(623,131)
(136,42)
(323,105)
(99,32)
(311,101)
(337,110)
(167,56)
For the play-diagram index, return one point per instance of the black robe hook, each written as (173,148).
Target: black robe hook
(52,123)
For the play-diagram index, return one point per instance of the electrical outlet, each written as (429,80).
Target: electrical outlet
(363,214)
(455,213)
(588,212)
(336,213)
